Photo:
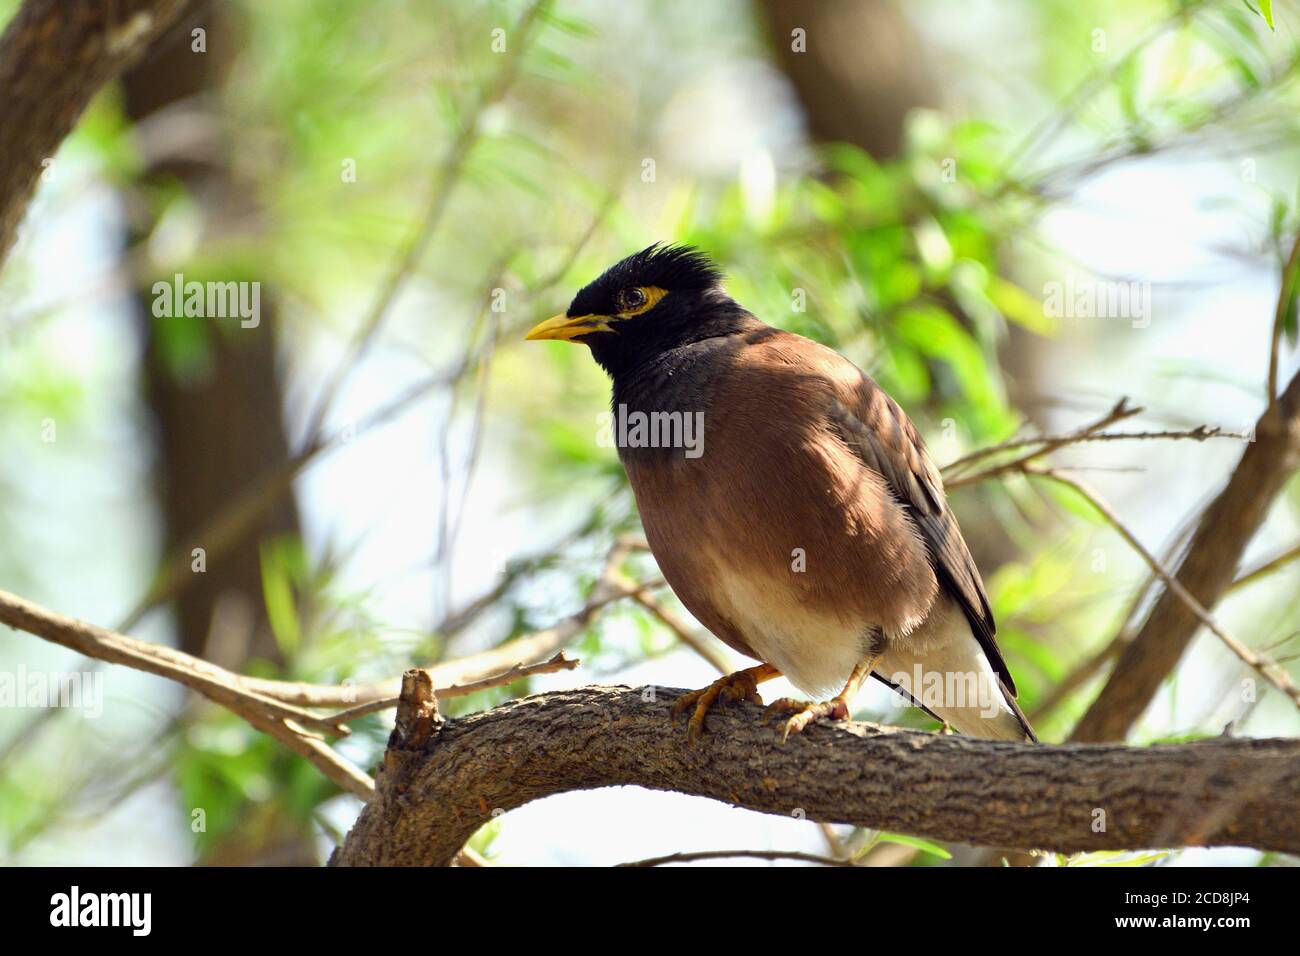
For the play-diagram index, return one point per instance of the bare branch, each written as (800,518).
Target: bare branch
(284,722)
(956,474)
(1091,433)
(319,754)
(213,682)
(283,719)
(557,663)
(1042,444)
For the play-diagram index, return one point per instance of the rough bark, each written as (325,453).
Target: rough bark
(433,796)
(54,57)
(1207,570)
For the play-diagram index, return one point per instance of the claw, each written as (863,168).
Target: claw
(742,685)
(802,713)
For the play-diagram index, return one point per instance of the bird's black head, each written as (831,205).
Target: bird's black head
(652,301)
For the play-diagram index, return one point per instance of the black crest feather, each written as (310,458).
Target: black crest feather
(674,267)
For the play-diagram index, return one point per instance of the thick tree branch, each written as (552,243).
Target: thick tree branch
(430,799)
(54,57)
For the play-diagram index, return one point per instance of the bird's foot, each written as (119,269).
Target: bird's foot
(742,685)
(803,712)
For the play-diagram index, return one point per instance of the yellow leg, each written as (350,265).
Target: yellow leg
(742,685)
(802,712)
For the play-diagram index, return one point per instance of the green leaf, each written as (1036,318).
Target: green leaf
(906,374)
(1019,306)
(1290,296)
(1073,502)
(1266,11)
(925,846)
(574,26)
(1117,858)
(937,334)
(933,248)
(277,592)
(185,346)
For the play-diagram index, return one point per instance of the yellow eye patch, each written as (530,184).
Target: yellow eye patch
(651,295)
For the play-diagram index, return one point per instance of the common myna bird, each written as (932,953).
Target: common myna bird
(790,503)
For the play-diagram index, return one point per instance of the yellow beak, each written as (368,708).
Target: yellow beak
(565,328)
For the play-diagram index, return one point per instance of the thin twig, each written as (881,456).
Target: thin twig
(696,642)
(1094,432)
(284,722)
(1284,298)
(456,621)
(1260,663)
(1039,447)
(446,176)
(526,649)
(833,842)
(557,663)
(316,752)
(213,682)
(256,700)
(743,854)
(1098,79)
(1199,433)
(1127,631)
(1266,568)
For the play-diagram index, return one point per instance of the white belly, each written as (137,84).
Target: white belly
(815,651)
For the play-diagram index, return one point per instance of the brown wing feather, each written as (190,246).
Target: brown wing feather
(884,437)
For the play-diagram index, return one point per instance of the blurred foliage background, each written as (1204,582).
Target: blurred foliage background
(416,183)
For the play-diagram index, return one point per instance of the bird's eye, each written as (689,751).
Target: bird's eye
(633,299)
